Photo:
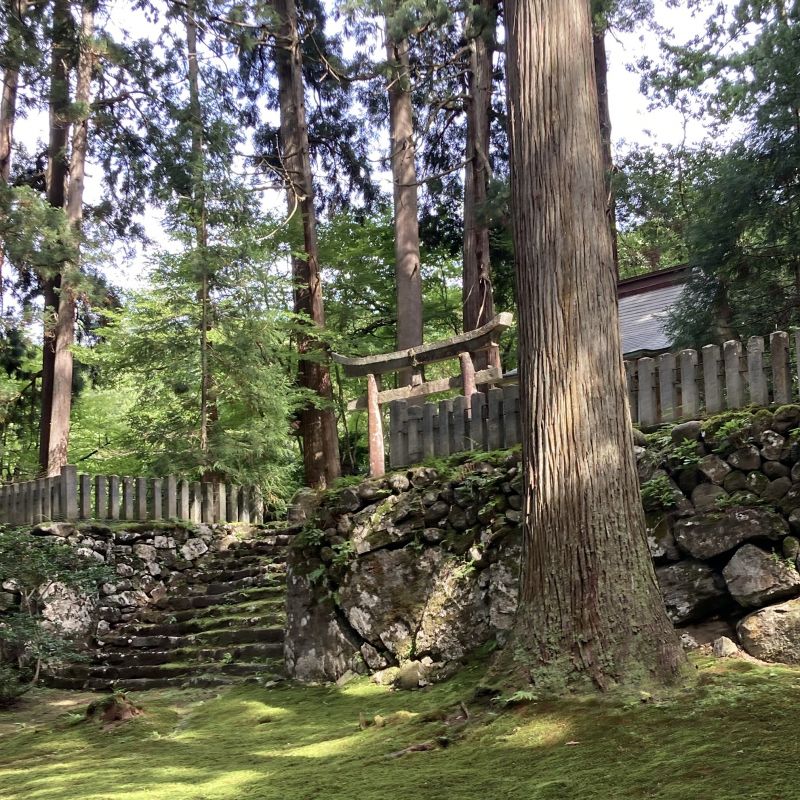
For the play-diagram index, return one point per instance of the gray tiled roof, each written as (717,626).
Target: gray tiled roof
(641,318)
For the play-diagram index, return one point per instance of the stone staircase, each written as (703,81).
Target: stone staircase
(222,623)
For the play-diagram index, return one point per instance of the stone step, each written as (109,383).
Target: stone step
(225,598)
(254,651)
(198,625)
(275,603)
(232,570)
(212,637)
(220,583)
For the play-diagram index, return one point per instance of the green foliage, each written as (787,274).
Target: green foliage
(11,686)
(658,493)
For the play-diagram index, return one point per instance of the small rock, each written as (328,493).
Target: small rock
(724,647)
(776,489)
(705,496)
(194,548)
(757,482)
(7,600)
(755,578)
(433,535)
(145,551)
(771,445)
(795,474)
(438,511)
(398,482)
(691,431)
(639,439)
(774,469)
(745,458)
(735,482)
(163,543)
(514,516)
(688,642)
(372,658)
(125,570)
(714,468)
(457,518)
(346,678)
(386,677)
(93,555)
(410,676)
(791,548)
(60,529)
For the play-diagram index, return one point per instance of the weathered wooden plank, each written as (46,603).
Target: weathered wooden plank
(690,396)
(667,405)
(477,422)
(157,486)
(377,457)
(442,445)
(460,431)
(511,423)
(140,504)
(232,503)
(85,502)
(113,497)
(489,375)
(712,390)
(398,434)
(757,381)
(184,502)
(196,503)
(494,422)
(470,342)
(101,497)
(170,497)
(429,414)
(647,392)
(781,367)
(734,384)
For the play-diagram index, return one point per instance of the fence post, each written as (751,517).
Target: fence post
(244,514)
(443,431)
(467,374)
(196,510)
(429,412)
(38,511)
(209,512)
(377,457)
(69,492)
(113,497)
(511,425)
(221,502)
(232,503)
(711,387)
(171,507)
(690,403)
(414,434)
(184,507)
(477,423)
(101,497)
(734,386)
(630,380)
(127,498)
(667,407)
(258,506)
(495,421)
(460,442)
(759,393)
(781,368)
(85,503)
(158,502)
(141,498)
(647,392)
(398,424)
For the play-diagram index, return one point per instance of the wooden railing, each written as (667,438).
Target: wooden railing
(404,439)
(74,497)
(688,384)
(667,388)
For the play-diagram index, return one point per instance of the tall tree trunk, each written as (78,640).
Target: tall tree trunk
(8,114)
(57,170)
(317,421)
(601,78)
(408,278)
(65,324)
(590,609)
(477,299)
(207,405)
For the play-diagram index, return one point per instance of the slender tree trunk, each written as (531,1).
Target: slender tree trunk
(408,278)
(601,78)
(65,324)
(317,422)
(590,610)
(477,299)
(8,114)
(207,405)
(57,170)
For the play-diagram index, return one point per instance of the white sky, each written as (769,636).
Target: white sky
(632,121)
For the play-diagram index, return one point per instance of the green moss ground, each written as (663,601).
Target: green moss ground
(732,734)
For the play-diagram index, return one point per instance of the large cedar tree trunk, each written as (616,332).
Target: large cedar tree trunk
(317,422)
(590,609)
(477,299)
(57,171)
(408,278)
(64,332)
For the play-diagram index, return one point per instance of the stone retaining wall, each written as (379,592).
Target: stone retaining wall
(408,575)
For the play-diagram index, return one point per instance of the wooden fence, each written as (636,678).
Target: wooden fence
(667,388)
(688,384)
(73,497)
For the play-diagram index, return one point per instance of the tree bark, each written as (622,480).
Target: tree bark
(604,113)
(200,222)
(57,171)
(64,334)
(317,421)
(477,299)
(590,609)
(408,278)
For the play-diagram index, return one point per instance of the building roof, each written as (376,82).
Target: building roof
(644,302)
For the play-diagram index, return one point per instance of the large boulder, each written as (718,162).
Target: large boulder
(385,594)
(773,633)
(708,535)
(755,578)
(691,591)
